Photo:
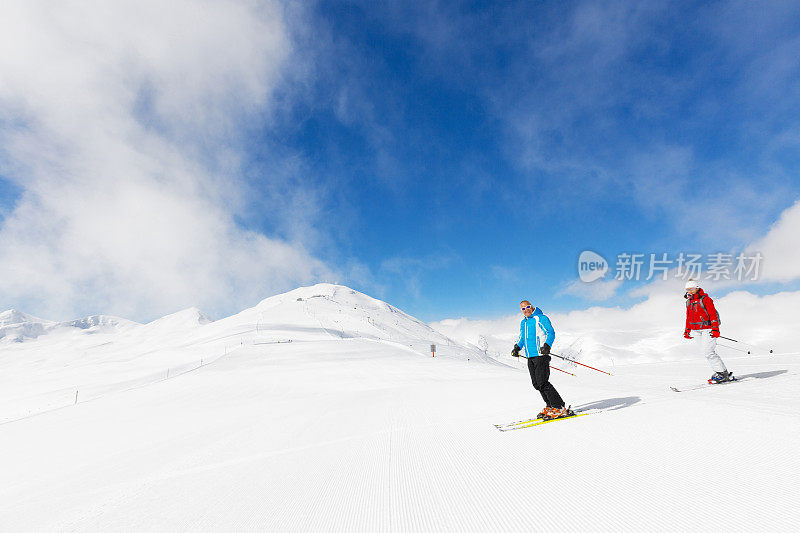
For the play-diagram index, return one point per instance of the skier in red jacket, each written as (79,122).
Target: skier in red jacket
(702,322)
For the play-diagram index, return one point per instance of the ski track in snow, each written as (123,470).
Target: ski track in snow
(400,465)
(335,433)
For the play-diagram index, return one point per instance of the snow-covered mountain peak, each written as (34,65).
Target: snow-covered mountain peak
(182,320)
(12,316)
(327,298)
(338,294)
(320,290)
(325,311)
(16,326)
(105,323)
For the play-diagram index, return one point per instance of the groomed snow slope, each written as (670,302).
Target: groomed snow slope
(339,433)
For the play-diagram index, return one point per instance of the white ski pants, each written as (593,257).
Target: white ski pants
(708,347)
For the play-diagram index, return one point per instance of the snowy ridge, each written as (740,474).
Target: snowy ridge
(103,353)
(16,326)
(326,311)
(318,312)
(186,319)
(101,322)
(13,317)
(93,325)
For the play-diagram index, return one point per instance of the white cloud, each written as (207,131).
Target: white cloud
(779,247)
(121,122)
(596,290)
(500,333)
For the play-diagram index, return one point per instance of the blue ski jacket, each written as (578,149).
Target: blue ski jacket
(534,331)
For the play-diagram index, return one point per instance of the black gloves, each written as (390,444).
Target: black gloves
(545,349)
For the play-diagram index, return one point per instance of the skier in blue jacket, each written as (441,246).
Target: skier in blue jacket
(536,335)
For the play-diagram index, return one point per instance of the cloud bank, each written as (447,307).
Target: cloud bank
(780,247)
(121,125)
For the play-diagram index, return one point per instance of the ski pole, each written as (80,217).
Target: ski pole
(577,363)
(564,371)
(734,348)
(555,368)
(734,340)
(740,342)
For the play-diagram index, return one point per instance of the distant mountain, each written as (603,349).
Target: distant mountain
(320,312)
(182,320)
(16,326)
(100,322)
(327,311)
(12,317)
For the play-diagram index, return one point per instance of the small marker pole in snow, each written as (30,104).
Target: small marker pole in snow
(433,350)
(76,398)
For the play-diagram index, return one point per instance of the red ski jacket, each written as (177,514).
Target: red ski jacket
(700,312)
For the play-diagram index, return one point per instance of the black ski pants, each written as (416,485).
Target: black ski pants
(539,367)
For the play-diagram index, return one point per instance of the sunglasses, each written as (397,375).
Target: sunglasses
(526,308)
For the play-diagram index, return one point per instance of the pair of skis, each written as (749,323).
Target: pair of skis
(706,385)
(522,424)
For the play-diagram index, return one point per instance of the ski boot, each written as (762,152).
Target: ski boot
(558,412)
(543,413)
(548,413)
(721,377)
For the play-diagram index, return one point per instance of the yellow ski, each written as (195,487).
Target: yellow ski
(535,422)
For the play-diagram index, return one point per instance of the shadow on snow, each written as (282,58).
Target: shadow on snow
(610,404)
(762,375)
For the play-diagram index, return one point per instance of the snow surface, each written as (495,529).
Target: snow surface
(322,410)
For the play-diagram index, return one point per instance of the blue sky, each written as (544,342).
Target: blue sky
(475,150)
(455,157)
